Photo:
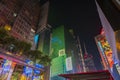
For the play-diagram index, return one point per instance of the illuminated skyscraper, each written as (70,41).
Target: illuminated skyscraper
(64,53)
(23,17)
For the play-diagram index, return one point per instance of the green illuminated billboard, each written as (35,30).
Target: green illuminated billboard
(57,42)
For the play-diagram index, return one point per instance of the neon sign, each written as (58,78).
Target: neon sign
(28,70)
(107,50)
(6,66)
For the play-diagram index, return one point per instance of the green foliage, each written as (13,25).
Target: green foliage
(22,46)
(3,35)
(7,40)
(39,57)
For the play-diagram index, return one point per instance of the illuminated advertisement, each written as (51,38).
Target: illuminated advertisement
(58,52)
(27,71)
(6,65)
(37,72)
(58,42)
(38,66)
(107,50)
(117,37)
(5,69)
(103,57)
(36,37)
(69,64)
(36,78)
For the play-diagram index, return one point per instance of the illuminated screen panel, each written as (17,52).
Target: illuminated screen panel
(6,66)
(103,57)
(27,70)
(107,50)
(36,75)
(36,37)
(58,62)
(38,66)
(58,41)
(117,38)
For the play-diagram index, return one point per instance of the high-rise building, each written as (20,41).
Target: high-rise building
(109,14)
(64,53)
(44,40)
(57,53)
(24,17)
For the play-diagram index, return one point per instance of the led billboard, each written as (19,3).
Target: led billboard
(58,41)
(106,49)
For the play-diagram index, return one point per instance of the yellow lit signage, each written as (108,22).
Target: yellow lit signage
(107,50)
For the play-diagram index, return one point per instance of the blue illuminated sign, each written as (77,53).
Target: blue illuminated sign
(36,37)
(38,66)
(28,70)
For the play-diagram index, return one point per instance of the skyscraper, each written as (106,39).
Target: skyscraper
(23,16)
(57,53)
(64,53)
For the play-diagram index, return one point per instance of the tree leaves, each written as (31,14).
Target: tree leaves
(39,57)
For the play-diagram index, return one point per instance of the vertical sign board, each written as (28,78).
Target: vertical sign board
(107,51)
(69,64)
(27,71)
(61,52)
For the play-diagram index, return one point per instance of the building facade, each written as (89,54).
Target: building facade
(106,54)
(109,15)
(65,53)
(23,17)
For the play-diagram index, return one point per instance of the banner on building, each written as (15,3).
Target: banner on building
(69,64)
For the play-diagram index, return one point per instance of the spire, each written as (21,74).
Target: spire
(82,59)
(85,49)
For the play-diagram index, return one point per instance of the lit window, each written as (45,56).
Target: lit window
(14,14)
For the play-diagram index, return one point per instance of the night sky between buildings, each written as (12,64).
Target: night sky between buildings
(82,16)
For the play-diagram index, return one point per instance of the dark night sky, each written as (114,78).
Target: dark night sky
(82,16)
